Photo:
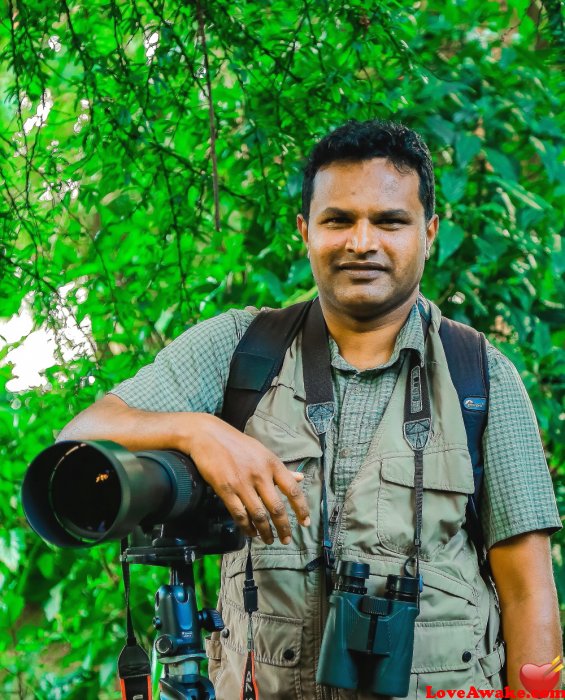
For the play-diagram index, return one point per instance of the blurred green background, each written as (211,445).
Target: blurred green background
(151,173)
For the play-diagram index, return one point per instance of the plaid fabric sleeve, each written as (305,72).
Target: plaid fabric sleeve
(517,495)
(191,373)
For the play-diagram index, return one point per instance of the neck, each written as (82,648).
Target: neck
(366,343)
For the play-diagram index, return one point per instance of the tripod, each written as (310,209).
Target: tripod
(177,620)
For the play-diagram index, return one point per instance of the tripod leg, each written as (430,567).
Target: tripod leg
(192,687)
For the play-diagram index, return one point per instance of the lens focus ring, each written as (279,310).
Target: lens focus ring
(184,476)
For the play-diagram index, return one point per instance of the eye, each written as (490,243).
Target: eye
(337,220)
(392,223)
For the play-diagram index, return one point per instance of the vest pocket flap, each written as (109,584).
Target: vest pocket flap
(213,648)
(275,558)
(443,646)
(278,640)
(288,444)
(444,471)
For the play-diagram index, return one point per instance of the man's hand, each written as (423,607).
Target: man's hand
(245,475)
(243,472)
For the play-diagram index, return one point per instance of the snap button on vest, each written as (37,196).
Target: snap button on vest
(466,656)
(225,633)
(288,654)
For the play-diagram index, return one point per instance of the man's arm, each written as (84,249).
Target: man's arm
(239,468)
(523,575)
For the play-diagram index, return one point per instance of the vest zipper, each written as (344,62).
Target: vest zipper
(302,464)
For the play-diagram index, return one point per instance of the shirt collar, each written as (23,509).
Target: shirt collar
(410,337)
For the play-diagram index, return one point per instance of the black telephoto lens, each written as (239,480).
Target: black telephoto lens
(77,494)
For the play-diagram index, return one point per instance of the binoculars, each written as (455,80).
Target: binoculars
(368,641)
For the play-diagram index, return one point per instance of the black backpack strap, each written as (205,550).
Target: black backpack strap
(466,353)
(257,360)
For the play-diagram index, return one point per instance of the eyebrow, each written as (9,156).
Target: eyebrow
(379,216)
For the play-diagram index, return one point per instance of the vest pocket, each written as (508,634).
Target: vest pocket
(445,659)
(443,656)
(448,481)
(213,647)
(278,649)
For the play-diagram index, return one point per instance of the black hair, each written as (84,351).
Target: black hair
(358,141)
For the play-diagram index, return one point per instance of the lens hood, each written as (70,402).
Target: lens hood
(83,493)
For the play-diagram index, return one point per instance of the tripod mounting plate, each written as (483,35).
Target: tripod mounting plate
(161,556)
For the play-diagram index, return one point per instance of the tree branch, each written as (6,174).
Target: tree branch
(215,181)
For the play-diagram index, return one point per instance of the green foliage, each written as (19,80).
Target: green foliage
(112,224)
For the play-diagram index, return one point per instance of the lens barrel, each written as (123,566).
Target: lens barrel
(78,494)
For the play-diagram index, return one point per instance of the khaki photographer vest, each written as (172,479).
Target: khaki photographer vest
(457,629)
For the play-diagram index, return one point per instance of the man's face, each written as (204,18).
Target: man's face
(367,237)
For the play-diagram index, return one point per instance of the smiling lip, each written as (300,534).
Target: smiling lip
(362,268)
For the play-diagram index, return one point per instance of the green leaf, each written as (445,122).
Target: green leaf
(528,198)
(453,185)
(450,237)
(466,147)
(11,548)
(52,607)
(502,164)
(46,564)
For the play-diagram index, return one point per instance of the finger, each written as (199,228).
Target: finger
(299,476)
(277,510)
(292,490)
(258,515)
(239,513)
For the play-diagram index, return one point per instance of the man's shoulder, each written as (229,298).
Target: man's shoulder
(228,326)
(498,363)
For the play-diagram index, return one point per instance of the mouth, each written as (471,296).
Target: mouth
(359,269)
(361,266)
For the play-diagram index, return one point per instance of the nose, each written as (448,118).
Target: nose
(364,238)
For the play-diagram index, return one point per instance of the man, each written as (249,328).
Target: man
(368,223)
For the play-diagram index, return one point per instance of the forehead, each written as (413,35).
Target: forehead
(374,183)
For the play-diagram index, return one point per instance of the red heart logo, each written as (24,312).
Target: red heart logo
(539,680)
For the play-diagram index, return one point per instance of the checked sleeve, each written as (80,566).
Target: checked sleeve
(191,373)
(517,495)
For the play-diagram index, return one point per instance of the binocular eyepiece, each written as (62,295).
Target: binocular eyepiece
(368,640)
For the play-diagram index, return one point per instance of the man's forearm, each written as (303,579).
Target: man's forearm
(246,475)
(522,571)
(134,429)
(532,632)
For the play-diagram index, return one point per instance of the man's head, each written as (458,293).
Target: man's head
(357,141)
(368,217)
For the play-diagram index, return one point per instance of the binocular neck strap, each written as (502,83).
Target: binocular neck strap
(417,431)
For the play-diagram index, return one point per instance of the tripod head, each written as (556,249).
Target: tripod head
(177,621)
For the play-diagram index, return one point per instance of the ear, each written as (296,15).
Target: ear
(302,226)
(431,232)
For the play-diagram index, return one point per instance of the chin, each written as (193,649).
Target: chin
(363,305)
